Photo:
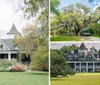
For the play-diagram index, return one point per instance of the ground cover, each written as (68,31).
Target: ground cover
(69,38)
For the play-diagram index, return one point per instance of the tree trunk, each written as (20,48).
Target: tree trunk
(77,30)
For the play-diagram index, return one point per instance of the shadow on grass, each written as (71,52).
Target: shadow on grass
(34,73)
(62,78)
(25,73)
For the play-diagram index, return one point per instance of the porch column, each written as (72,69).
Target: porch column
(80,66)
(9,56)
(75,66)
(93,67)
(86,66)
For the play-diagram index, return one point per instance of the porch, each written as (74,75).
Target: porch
(8,55)
(85,66)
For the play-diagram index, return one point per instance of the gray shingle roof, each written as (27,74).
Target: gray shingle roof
(13,30)
(9,43)
(82,46)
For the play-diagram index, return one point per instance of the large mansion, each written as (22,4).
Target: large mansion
(83,59)
(8,50)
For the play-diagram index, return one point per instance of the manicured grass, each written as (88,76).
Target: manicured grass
(23,78)
(67,38)
(79,79)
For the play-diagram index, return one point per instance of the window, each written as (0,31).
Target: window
(89,58)
(1,46)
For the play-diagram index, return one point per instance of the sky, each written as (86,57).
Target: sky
(58,45)
(64,3)
(8,16)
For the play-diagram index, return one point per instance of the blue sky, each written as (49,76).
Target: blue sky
(64,3)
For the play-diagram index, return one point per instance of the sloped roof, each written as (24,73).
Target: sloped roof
(13,30)
(90,54)
(9,43)
(93,49)
(82,46)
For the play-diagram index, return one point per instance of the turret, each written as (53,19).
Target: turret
(13,32)
(82,51)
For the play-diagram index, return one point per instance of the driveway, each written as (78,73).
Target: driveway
(89,38)
(94,38)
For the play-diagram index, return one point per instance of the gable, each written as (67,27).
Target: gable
(9,43)
(90,56)
(3,46)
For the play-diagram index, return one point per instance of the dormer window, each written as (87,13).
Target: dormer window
(1,46)
(89,58)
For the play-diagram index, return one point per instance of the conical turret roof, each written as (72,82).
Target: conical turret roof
(82,46)
(13,30)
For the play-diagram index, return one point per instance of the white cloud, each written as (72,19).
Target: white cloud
(95,7)
(97,3)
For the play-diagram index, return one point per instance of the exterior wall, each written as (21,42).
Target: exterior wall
(11,36)
(82,52)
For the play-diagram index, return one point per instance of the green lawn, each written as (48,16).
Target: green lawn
(79,79)
(23,78)
(67,38)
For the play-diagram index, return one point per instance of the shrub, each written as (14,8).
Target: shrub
(11,66)
(4,64)
(17,68)
(44,67)
(40,59)
(59,67)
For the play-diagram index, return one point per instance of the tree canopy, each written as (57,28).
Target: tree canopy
(73,19)
(54,6)
(59,67)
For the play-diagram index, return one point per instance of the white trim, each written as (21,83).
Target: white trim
(83,61)
(7,51)
(9,56)
(4,44)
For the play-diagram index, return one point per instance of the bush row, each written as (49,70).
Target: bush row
(12,66)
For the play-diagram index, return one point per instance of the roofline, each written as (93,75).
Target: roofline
(91,55)
(4,44)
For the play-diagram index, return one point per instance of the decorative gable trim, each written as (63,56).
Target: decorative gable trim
(92,55)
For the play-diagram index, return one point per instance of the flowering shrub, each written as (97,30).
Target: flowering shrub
(44,67)
(17,68)
(13,68)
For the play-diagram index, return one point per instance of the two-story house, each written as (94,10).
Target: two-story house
(83,59)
